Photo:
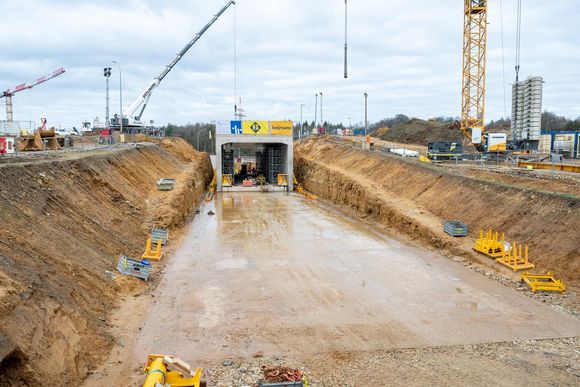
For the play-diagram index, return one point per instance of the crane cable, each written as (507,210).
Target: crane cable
(503,59)
(518,39)
(235,66)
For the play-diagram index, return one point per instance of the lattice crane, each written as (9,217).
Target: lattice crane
(474,57)
(9,93)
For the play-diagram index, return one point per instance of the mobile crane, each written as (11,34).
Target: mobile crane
(132,115)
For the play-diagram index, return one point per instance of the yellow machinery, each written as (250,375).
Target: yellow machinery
(545,282)
(283,179)
(490,244)
(165,370)
(212,187)
(227,180)
(153,254)
(515,259)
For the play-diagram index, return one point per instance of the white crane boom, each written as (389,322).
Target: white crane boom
(143,99)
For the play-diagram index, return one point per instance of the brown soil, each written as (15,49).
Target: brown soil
(414,198)
(65,223)
(419,132)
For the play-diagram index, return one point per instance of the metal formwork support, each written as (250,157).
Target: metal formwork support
(515,259)
(545,282)
(152,254)
(490,244)
(474,57)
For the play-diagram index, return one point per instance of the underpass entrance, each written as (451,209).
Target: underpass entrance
(254,155)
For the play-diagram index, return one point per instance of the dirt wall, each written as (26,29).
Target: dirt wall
(64,225)
(414,198)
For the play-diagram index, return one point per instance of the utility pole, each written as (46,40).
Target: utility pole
(366,114)
(301,133)
(107,73)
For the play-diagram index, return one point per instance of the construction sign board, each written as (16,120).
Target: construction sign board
(255,128)
(281,128)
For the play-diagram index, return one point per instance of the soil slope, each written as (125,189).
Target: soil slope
(419,132)
(414,198)
(65,223)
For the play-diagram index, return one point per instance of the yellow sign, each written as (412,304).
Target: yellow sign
(281,128)
(255,127)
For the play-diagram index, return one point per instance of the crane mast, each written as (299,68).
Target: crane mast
(474,57)
(141,102)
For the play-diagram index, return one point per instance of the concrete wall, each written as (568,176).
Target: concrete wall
(245,139)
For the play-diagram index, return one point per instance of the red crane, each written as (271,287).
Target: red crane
(9,93)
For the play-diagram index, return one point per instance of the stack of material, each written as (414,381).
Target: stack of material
(134,267)
(527,109)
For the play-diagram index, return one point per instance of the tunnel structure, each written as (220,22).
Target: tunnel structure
(254,154)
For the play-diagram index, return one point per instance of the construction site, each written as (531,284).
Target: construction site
(417,254)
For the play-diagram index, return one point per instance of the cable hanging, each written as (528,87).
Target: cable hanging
(235,65)
(503,60)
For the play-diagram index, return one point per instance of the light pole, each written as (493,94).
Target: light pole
(120,96)
(349,124)
(301,133)
(366,114)
(316,112)
(321,119)
(107,73)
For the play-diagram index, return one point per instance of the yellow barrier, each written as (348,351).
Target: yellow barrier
(514,259)
(212,187)
(545,282)
(150,254)
(490,244)
(283,179)
(308,195)
(157,372)
(227,180)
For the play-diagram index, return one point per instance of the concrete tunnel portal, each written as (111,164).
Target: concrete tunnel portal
(254,161)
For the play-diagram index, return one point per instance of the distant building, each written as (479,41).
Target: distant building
(527,112)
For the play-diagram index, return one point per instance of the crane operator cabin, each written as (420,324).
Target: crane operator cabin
(254,155)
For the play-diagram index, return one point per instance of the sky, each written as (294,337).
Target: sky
(405,54)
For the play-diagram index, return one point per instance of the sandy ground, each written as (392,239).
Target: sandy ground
(305,285)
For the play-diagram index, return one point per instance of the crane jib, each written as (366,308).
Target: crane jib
(147,93)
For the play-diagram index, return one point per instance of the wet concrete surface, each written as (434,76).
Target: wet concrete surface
(283,275)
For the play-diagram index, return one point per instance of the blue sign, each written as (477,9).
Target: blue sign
(236,127)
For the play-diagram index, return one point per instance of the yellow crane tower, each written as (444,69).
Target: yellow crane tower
(474,56)
(473,85)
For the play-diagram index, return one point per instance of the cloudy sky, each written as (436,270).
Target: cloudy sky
(405,54)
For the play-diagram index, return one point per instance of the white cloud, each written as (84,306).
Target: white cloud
(406,55)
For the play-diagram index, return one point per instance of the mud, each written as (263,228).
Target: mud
(64,224)
(282,276)
(414,198)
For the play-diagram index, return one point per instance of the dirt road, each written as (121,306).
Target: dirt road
(282,275)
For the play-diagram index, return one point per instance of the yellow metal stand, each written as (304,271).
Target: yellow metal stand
(515,260)
(283,179)
(227,180)
(490,244)
(545,282)
(157,373)
(150,254)
(212,187)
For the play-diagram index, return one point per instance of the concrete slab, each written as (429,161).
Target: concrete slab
(280,274)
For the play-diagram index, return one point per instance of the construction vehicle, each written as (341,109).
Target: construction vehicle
(473,83)
(8,94)
(132,115)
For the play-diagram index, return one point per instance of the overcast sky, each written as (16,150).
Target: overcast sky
(405,54)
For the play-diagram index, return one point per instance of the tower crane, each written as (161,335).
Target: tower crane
(135,111)
(9,93)
(472,122)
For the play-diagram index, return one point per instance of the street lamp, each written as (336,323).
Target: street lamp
(366,114)
(301,133)
(120,96)
(349,124)
(107,73)
(321,119)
